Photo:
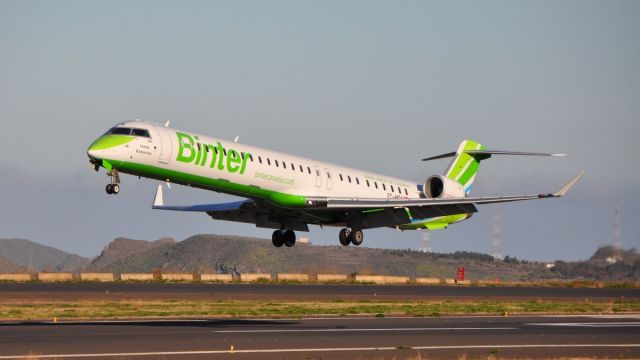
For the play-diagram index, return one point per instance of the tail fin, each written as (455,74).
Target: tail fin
(464,166)
(466,161)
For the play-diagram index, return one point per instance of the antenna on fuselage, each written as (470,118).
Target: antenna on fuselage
(166,124)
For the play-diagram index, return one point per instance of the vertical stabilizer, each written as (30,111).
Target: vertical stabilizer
(464,166)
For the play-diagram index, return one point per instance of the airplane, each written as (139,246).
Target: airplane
(287,192)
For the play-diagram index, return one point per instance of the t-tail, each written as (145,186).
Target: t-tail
(466,161)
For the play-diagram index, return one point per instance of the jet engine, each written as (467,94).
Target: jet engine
(441,187)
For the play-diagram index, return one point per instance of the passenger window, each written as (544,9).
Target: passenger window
(141,133)
(277,165)
(384,187)
(349,178)
(376,184)
(301,168)
(341,179)
(309,169)
(368,183)
(224,151)
(317,172)
(357,181)
(260,159)
(215,149)
(268,162)
(391,188)
(328,175)
(399,190)
(293,167)
(406,192)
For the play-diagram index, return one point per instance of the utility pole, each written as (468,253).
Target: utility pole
(425,242)
(616,232)
(497,235)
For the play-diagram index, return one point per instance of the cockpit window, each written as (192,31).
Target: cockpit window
(129,131)
(120,131)
(141,133)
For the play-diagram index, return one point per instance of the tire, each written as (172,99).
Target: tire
(344,238)
(289,237)
(276,238)
(108,189)
(115,188)
(356,237)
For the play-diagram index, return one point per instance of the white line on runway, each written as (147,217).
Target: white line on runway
(592,324)
(362,329)
(264,351)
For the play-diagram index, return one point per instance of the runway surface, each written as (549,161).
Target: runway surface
(328,338)
(114,291)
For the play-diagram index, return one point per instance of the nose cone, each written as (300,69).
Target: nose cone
(106,144)
(93,152)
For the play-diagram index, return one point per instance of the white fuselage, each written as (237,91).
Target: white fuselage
(208,157)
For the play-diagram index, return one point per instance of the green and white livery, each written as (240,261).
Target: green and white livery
(287,192)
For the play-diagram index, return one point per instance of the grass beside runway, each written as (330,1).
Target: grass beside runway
(133,309)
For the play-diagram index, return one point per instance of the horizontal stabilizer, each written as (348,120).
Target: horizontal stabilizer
(503,152)
(158,204)
(491,152)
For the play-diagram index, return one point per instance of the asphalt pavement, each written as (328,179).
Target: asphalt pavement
(213,291)
(327,338)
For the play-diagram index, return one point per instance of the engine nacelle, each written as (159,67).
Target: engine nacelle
(441,187)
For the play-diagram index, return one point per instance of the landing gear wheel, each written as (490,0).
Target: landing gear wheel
(109,189)
(289,237)
(115,188)
(344,237)
(356,237)
(276,238)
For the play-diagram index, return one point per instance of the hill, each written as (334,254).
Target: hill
(605,264)
(233,254)
(9,266)
(38,257)
(123,248)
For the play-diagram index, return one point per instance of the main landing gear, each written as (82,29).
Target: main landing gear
(350,236)
(285,236)
(113,187)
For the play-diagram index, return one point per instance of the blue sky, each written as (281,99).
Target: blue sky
(370,84)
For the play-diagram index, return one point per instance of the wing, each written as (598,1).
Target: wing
(411,203)
(444,203)
(158,203)
(246,211)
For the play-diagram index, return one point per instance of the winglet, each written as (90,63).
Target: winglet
(158,201)
(569,185)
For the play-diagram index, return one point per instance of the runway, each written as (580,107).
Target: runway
(328,338)
(197,291)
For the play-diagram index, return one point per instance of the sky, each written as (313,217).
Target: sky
(375,85)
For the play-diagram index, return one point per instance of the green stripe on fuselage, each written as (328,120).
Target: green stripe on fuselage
(277,198)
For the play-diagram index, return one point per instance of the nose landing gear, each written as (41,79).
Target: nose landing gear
(113,187)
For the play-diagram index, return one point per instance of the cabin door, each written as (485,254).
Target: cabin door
(166,148)
(329,179)
(316,169)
